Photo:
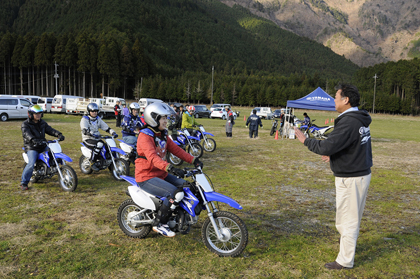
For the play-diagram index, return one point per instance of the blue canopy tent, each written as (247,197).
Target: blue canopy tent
(317,99)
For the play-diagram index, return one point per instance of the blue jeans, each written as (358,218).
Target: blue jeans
(163,188)
(27,171)
(130,140)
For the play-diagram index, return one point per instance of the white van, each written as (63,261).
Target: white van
(144,102)
(45,103)
(13,107)
(59,102)
(32,98)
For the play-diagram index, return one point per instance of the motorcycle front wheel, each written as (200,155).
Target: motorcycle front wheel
(128,213)
(84,164)
(209,145)
(69,181)
(234,234)
(123,168)
(195,149)
(272,131)
(171,158)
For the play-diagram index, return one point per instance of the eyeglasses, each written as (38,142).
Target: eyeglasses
(95,111)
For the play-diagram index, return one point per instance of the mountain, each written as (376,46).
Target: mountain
(367,32)
(181,35)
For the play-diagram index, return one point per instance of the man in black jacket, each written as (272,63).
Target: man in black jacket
(33,132)
(349,151)
(254,121)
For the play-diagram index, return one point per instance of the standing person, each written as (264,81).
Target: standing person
(230,121)
(348,149)
(131,124)
(153,172)
(117,111)
(253,121)
(306,119)
(34,142)
(90,125)
(125,111)
(188,120)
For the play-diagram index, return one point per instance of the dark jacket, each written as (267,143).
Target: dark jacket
(32,132)
(348,145)
(131,123)
(253,121)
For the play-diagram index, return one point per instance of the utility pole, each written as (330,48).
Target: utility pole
(374,92)
(56,77)
(212,72)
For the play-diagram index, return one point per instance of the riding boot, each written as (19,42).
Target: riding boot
(162,216)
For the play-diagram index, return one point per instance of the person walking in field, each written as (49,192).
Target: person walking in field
(230,121)
(253,121)
(348,150)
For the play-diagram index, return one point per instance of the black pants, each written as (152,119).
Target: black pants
(253,132)
(118,118)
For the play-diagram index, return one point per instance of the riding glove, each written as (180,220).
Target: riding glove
(197,163)
(178,172)
(61,137)
(115,135)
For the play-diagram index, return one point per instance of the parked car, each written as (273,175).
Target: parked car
(13,107)
(263,112)
(221,113)
(277,112)
(32,98)
(45,103)
(202,111)
(144,102)
(213,107)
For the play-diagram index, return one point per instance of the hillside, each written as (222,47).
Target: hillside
(365,31)
(181,35)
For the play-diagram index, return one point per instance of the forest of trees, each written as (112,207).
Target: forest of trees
(166,49)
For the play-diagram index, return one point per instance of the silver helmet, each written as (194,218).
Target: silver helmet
(134,106)
(153,113)
(92,107)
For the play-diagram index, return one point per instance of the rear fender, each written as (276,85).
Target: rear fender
(213,196)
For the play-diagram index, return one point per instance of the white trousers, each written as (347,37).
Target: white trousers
(351,195)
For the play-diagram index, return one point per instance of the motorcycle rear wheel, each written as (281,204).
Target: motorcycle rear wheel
(123,168)
(84,164)
(235,234)
(127,213)
(69,181)
(272,131)
(198,152)
(210,145)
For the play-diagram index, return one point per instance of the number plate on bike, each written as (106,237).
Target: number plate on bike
(204,183)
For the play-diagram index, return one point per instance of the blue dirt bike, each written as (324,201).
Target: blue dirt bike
(224,233)
(51,162)
(186,142)
(315,131)
(108,159)
(208,144)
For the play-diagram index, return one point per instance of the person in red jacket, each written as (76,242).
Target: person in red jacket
(153,174)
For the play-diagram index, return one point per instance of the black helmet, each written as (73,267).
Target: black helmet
(34,109)
(92,107)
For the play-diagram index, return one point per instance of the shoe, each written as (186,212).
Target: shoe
(24,187)
(335,265)
(164,230)
(94,166)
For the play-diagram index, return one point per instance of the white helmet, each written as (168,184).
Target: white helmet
(153,113)
(134,106)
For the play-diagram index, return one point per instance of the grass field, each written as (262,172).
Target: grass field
(288,200)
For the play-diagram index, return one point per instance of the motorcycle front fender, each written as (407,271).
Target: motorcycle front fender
(116,149)
(213,196)
(208,134)
(194,138)
(140,198)
(63,156)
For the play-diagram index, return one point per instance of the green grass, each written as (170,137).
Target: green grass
(288,200)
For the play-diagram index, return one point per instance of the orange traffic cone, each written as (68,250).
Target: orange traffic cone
(332,120)
(277,135)
(244,118)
